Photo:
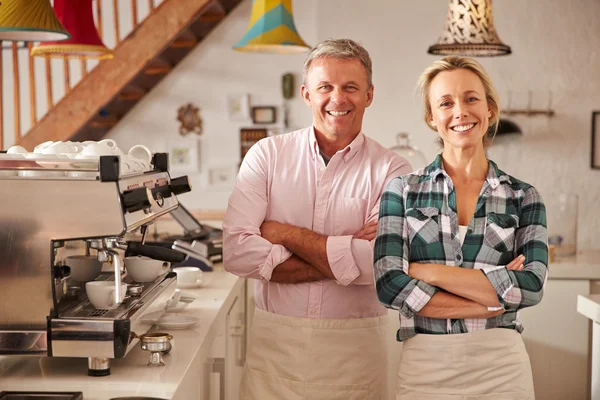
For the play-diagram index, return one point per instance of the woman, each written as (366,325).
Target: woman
(461,247)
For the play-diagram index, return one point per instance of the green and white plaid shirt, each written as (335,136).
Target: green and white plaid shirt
(418,223)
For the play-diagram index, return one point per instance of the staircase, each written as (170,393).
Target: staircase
(107,92)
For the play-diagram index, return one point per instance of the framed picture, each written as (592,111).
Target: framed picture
(596,140)
(264,115)
(238,107)
(183,156)
(221,176)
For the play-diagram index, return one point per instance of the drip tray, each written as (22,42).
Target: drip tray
(41,395)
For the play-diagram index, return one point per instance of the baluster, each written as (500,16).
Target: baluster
(17,97)
(151,4)
(1,99)
(83,68)
(134,13)
(116,15)
(49,96)
(32,102)
(99,16)
(67,75)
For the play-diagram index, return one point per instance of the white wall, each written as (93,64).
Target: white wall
(554,50)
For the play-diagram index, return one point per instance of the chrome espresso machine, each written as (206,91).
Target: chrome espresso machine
(58,207)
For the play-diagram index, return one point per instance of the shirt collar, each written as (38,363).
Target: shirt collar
(494,177)
(348,151)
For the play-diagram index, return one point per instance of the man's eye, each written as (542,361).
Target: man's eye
(324,87)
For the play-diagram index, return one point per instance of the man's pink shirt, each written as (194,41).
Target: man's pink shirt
(284,179)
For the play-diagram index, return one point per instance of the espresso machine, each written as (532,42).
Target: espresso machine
(57,207)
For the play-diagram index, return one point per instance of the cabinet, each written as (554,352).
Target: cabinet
(557,340)
(222,370)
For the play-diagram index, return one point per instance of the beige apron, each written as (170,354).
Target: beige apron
(308,359)
(485,365)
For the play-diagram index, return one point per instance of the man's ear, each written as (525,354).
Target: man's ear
(305,94)
(370,94)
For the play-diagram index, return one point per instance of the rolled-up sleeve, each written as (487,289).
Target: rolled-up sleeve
(350,259)
(245,252)
(525,288)
(395,288)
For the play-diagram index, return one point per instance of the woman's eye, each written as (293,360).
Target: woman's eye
(445,104)
(472,99)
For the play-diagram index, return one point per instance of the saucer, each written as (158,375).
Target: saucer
(177,307)
(170,320)
(197,284)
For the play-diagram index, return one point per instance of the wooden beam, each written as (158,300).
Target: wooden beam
(103,123)
(109,77)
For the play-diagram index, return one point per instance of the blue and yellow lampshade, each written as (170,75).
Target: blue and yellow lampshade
(271,29)
(30,20)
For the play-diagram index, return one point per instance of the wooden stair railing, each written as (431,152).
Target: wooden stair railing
(104,94)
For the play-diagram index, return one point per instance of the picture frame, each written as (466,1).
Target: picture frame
(264,115)
(221,176)
(183,156)
(238,106)
(595,159)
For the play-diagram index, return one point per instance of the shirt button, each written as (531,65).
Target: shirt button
(313,311)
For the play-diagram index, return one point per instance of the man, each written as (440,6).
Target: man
(301,221)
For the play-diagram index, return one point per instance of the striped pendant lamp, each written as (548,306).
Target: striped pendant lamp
(271,29)
(78,17)
(30,20)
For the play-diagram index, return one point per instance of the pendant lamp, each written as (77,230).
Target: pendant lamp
(271,29)
(77,16)
(470,31)
(30,21)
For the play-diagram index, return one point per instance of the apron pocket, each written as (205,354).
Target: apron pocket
(257,385)
(316,391)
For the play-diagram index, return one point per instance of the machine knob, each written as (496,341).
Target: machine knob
(180,185)
(137,199)
(164,190)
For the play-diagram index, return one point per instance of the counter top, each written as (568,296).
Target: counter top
(589,306)
(131,376)
(584,265)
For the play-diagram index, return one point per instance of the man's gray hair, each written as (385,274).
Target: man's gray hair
(346,49)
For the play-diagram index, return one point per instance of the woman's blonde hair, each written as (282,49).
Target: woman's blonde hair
(452,63)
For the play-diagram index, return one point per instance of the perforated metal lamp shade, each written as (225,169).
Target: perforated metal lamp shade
(272,29)
(77,16)
(470,31)
(30,20)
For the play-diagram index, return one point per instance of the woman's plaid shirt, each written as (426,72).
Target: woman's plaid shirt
(418,223)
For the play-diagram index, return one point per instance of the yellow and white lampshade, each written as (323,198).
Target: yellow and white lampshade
(271,29)
(470,31)
(31,21)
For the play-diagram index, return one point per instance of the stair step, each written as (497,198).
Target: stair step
(103,123)
(212,16)
(183,44)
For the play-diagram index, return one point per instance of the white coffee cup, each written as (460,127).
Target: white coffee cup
(144,269)
(102,294)
(84,268)
(189,275)
(140,152)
